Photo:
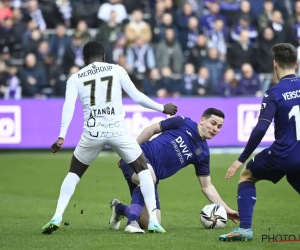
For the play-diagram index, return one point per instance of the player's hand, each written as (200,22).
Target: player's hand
(170,109)
(233,168)
(56,146)
(233,215)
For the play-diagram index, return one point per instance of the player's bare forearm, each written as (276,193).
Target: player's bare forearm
(148,132)
(213,196)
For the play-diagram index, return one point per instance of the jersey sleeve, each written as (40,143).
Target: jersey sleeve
(268,107)
(69,107)
(172,123)
(202,168)
(136,95)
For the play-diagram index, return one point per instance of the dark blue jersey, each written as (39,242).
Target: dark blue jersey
(176,147)
(282,102)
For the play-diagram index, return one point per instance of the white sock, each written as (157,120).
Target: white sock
(66,191)
(147,189)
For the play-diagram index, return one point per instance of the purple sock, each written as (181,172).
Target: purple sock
(122,209)
(246,200)
(137,204)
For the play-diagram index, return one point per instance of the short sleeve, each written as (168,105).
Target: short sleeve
(268,107)
(172,123)
(202,168)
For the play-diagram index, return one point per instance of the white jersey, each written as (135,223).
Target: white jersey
(99,86)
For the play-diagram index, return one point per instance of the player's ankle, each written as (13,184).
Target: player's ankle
(57,215)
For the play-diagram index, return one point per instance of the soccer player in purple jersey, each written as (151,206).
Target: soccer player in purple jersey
(281,102)
(182,142)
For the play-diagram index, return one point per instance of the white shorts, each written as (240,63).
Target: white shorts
(91,144)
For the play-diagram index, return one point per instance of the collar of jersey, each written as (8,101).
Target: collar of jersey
(288,77)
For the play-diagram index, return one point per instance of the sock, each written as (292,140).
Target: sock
(66,191)
(137,204)
(122,209)
(147,189)
(246,200)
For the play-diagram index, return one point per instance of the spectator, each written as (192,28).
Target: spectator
(33,42)
(227,86)
(112,5)
(140,58)
(19,26)
(282,32)
(13,89)
(151,84)
(246,11)
(159,30)
(42,51)
(81,30)
(36,15)
(7,35)
(249,84)
(32,77)
(169,7)
(169,53)
(5,56)
(244,24)
(66,10)
(138,28)
(266,16)
(168,87)
(188,37)
(87,10)
(187,83)
(59,42)
(202,85)
(157,14)
(73,54)
(198,54)
(218,38)
(241,52)
(265,43)
(215,66)
(5,11)
(207,22)
(108,31)
(119,48)
(183,15)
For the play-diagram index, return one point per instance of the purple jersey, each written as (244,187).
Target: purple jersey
(176,147)
(282,102)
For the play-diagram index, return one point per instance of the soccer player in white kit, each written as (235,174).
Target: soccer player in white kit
(99,86)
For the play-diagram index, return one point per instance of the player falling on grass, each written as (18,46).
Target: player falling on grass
(181,142)
(99,86)
(281,102)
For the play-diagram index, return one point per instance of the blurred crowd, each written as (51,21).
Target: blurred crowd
(169,48)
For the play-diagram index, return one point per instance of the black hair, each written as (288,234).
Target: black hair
(285,54)
(212,111)
(93,49)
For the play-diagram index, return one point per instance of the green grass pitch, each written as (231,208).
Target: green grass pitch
(29,188)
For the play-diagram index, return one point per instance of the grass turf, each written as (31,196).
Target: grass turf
(29,188)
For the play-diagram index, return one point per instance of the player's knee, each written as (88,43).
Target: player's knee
(139,164)
(135,178)
(77,167)
(246,175)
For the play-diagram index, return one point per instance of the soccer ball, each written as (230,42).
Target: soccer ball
(213,216)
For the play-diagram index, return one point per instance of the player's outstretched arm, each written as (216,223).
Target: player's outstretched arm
(213,196)
(255,138)
(142,99)
(148,132)
(67,114)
